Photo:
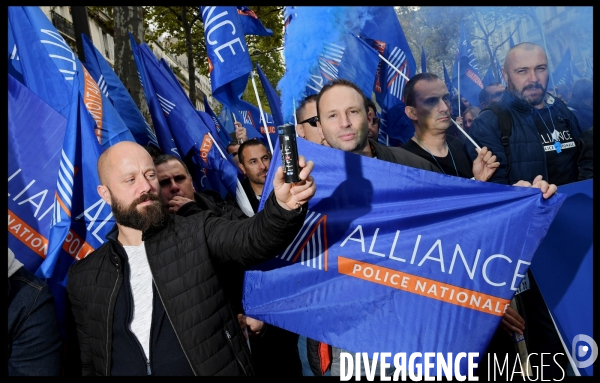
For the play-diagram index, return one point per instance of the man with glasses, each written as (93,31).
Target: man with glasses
(306,115)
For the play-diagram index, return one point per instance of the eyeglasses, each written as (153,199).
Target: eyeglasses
(376,120)
(312,121)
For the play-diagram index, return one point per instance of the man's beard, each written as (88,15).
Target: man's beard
(151,215)
(520,93)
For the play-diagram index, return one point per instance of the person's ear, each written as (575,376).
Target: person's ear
(104,194)
(410,112)
(300,130)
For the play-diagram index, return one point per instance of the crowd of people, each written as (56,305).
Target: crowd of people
(163,295)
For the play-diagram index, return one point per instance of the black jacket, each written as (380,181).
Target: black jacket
(401,156)
(181,252)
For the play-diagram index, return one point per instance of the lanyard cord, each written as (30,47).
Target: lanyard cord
(551,120)
(436,161)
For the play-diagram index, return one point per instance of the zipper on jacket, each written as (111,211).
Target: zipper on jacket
(148,369)
(112,294)
(228,335)
(174,330)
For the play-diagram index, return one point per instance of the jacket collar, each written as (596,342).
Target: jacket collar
(113,234)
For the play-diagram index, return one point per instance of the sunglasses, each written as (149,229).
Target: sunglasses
(312,121)
(376,120)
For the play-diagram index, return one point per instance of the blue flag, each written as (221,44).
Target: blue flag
(198,147)
(383,32)
(423,60)
(465,73)
(500,75)
(229,65)
(250,116)
(272,97)
(226,118)
(566,283)
(563,74)
(41,57)
(489,76)
(511,42)
(33,125)
(228,60)
(221,131)
(251,24)
(409,262)
(316,56)
(159,121)
(112,87)
(51,70)
(448,81)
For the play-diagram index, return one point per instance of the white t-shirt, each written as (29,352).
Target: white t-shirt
(141,289)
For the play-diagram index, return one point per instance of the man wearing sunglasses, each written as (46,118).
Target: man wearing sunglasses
(306,114)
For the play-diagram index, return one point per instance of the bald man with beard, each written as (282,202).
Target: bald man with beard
(148,302)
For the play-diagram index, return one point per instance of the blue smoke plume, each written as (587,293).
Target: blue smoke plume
(305,38)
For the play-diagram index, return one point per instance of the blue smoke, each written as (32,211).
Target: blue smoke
(305,38)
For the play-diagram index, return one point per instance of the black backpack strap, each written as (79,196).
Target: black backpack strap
(505,125)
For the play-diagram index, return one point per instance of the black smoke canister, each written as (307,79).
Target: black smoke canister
(289,152)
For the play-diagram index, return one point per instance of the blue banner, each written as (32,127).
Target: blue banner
(79,219)
(563,74)
(448,81)
(251,24)
(41,57)
(228,60)
(489,77)
(500,75)
(465,76)
(221,131)
(198,146)
(383,31)
(112,87)
(226,117)
(32,125)
(159,121)
(563,267)
(398,259)
(272,97)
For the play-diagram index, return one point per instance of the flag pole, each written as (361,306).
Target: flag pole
(458,101)
(234,120)
(465,133)
(294,106)
(262,115)
(392,65)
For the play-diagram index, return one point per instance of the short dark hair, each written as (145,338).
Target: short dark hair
(245,144)
(371,104)
(307,99)
(153,150)
(484,95)
(409,90)
(342,82)
(164,158)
